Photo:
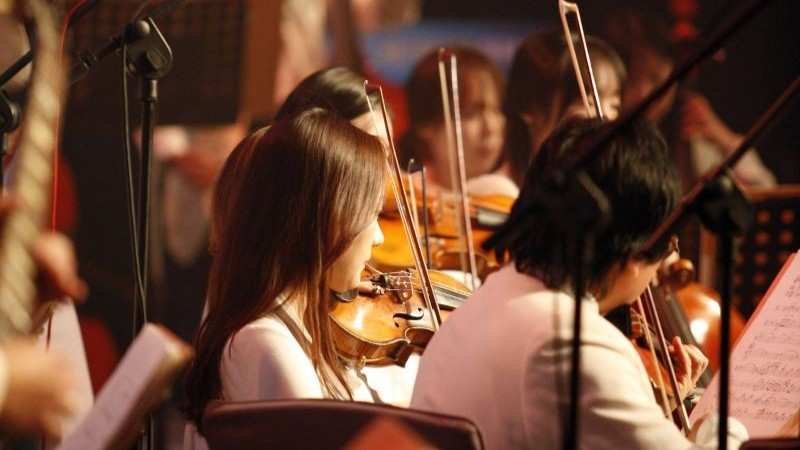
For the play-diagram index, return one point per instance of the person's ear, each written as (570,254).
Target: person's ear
(633,267)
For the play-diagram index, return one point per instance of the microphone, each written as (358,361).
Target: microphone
(148,52)
(26,59)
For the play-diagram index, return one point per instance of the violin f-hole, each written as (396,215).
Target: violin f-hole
(409,316)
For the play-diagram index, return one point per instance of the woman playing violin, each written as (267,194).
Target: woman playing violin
(480,87)
(301,222)
(513,380)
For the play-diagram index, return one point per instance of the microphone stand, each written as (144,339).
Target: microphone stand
(724,210)
(149,58)
(584,211)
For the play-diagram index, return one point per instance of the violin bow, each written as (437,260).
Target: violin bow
(564,8)
(455,145)
(645,302)
(399,189)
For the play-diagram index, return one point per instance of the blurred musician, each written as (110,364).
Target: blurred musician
(40,391)
(483,125)
(542,91)
(645,45)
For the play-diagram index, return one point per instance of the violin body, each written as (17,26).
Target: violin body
(388,324)
(701,306)
(486,213)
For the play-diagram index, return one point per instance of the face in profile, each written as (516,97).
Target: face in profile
(629,281)
(609,89)
(345,272)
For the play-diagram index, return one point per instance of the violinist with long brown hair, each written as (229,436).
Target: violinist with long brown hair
(502,359)
(339,91)
(301,223)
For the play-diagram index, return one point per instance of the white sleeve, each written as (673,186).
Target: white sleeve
(492,184)
(616,410)
(750,170)
(267,363)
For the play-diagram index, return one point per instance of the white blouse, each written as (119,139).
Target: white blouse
(264,361)
(498,360)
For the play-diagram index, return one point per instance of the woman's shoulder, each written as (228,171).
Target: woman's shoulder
(492,184)
(263,361)
(264,332)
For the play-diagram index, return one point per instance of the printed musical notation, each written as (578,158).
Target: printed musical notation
(765,364)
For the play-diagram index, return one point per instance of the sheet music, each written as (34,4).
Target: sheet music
(66,339)
(120,396)
(765,364)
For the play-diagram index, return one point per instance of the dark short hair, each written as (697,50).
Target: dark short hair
(638,179)
(336,89)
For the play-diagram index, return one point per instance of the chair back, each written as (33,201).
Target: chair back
(324,424)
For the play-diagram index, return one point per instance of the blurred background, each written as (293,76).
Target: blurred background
(235,61)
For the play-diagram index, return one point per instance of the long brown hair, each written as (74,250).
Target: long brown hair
(335,89)
(303,190)
(541,85)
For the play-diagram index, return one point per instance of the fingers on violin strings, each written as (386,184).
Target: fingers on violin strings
(699,360)
(682,357)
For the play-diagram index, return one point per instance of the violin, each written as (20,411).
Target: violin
(643,337)
(392,315)
(385,320)
(688,310)
(703,316)
(443,252)
(455,223)
(485,211)
(691,310)
(442,237)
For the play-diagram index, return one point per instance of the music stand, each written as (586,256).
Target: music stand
(761,252)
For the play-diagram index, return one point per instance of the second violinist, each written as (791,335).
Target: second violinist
(483,123)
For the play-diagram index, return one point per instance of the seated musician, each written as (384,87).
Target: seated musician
(646,44)
(483,124)
(302,220)
(340,91)
(502,359)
